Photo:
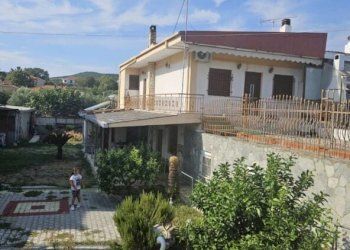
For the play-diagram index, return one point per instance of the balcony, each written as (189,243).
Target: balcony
(291,122)
(174,103)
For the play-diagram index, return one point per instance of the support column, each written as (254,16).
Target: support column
(150,91)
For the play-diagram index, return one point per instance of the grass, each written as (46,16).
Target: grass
(51,197)
(37,165)
(32,193)
(5,225)
(33,155)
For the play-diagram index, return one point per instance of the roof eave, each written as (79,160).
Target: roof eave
(148,50)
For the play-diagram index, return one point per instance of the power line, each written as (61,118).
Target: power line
(178,17)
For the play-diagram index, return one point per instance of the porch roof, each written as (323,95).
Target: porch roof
(135,118)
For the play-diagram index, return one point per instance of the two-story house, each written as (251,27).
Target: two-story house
(165,89)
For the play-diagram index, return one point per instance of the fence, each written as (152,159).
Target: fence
(322,127)
(182,103)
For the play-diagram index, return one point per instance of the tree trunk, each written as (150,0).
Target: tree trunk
(59,153)
(173,177)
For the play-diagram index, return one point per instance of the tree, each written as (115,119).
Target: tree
(19,77)
(87,82)
(57,102)
(21,97)
(4,96)
(2,75)
(107,83)
(38,72)
(58,137)
(126,166)
(248,207)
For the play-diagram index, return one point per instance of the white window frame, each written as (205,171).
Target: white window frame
(207,155)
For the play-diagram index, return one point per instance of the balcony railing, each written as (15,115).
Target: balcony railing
(180,103)
(322,127)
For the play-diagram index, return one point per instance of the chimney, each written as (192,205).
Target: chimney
(347,46)
(152,35)
(285,26)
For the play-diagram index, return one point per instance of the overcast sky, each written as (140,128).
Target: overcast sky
(125,24)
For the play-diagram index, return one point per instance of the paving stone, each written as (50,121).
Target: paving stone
(95,216)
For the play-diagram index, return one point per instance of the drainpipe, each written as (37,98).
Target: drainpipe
(161,242)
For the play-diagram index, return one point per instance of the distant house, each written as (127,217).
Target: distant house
(335,74)
(38,81)
(69,80)
(16,124)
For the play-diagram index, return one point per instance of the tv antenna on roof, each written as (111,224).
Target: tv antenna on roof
(274,20)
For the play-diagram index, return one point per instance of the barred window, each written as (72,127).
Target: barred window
(283,85)
(219,82)
(206,164)
(134,82)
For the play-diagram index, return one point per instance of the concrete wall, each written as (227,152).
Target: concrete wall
(238,77)
(313,78)
(331,176)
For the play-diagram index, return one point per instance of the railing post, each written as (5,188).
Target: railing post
(245,110)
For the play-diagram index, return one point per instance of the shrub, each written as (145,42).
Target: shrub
(248,207)
(126,166)
(135,219)
(4,96)
(183,216)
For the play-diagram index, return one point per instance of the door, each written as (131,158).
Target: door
(252,84)
(172,143)
(283,85)
(159,141)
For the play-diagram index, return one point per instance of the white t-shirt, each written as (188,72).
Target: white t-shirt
(76,178)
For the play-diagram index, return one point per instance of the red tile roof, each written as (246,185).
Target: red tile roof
(290,43)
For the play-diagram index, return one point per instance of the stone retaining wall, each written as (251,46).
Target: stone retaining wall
(331,175)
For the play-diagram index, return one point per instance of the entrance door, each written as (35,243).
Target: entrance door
(159,141)
(252,84)
(283,85)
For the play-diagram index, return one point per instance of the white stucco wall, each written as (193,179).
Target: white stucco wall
(238,77)
(169,76)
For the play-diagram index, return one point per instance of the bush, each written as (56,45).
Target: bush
(135,220)
(183,216)
(21,97)
(248,207)
(4,96)
(126,166)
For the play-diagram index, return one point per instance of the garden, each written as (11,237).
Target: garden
(36,164)
(241,207)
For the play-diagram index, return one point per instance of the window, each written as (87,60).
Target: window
(134,82)
(206,164)
(219,82)
(283,85)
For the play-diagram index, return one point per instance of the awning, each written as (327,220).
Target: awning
(255,54)
(136,118)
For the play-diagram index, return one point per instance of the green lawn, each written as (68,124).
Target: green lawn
(36,164)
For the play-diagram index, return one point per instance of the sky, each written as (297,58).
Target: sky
(66,37)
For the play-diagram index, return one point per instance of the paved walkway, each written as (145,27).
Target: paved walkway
(90,225)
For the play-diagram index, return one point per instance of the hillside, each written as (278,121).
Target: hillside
(96,75)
